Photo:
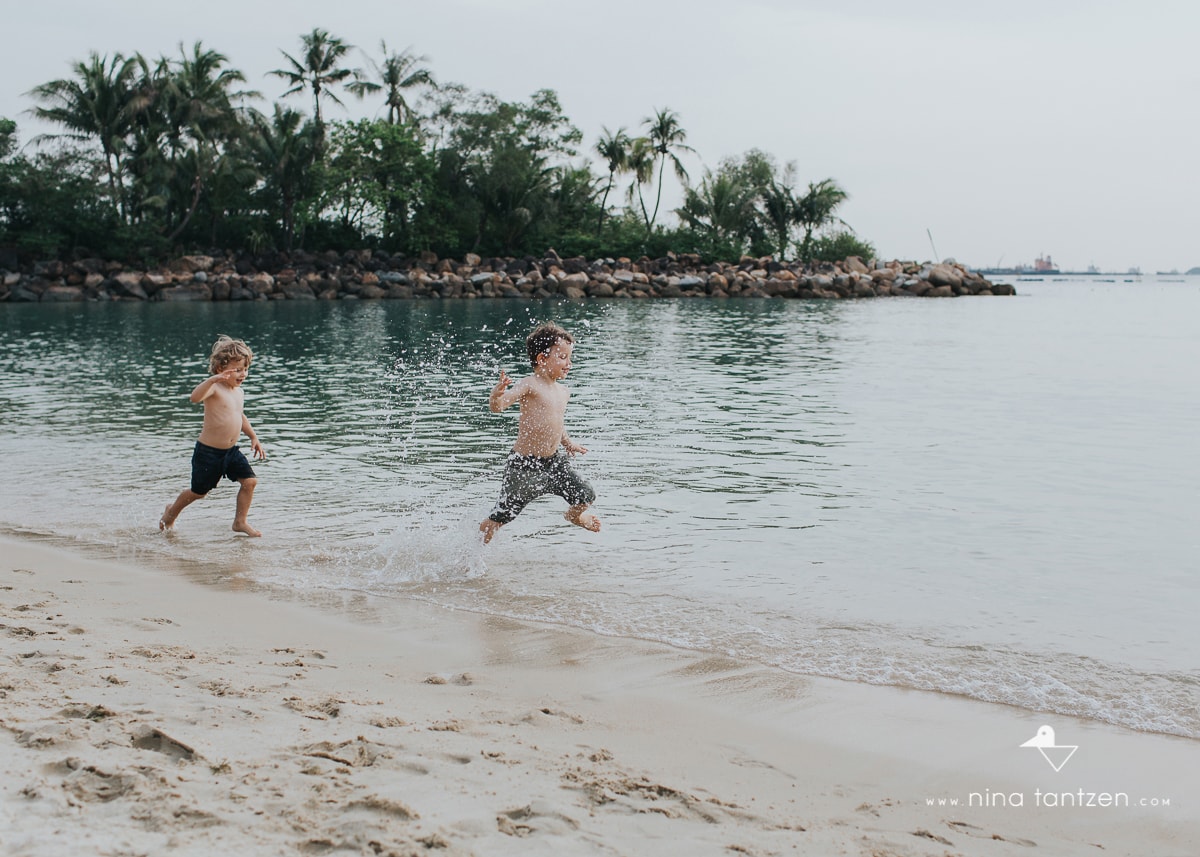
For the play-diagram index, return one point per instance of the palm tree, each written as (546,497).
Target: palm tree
(99,102)
(318,69)
(641,165)
(400,71)
(666,137)
(614,149)
(779,212)
(284,149)
(815,210)
(723,206)
(197,106)
(198,96)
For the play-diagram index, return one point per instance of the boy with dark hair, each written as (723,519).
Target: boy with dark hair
(538,462)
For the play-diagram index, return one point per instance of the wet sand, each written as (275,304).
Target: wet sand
(146,713)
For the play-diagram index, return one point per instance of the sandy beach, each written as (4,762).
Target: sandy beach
(147,713)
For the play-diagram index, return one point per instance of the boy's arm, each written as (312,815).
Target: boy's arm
(571,446)
(205,387)
(255,446)
(501,397)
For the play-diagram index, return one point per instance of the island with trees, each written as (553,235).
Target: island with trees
(170,172)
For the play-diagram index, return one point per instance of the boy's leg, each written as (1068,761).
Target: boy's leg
(522,483)
(578,516)
(206,472)
(244,496)
(186,498)
(576,490)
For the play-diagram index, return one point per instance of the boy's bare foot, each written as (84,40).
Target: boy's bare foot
(583,519)
(167,521)
(243,527)
(489,528)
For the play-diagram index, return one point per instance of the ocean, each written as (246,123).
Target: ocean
(989,497)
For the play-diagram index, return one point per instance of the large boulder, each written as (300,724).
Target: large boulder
(299,291)
(191,292)
(944,275)
(191,264)
(127,285)
(855,265)
(62,294)
(51,269)
(261,283)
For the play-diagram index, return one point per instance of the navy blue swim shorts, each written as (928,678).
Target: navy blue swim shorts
(209,464)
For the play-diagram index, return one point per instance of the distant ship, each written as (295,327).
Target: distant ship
(1042,266)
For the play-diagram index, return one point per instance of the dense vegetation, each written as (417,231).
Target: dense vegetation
(152,157)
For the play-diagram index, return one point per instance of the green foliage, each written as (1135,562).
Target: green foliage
(839,245)
(149,157)
(374,181)
(318,70)
(815,211)
(8,137)
(501,181)
(49,207)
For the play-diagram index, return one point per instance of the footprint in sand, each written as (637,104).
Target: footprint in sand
(462,679)
(925,834)
(93,784)
(149,738)
(979,833)
(519,821)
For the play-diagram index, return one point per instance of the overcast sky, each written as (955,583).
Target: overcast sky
(1006,129)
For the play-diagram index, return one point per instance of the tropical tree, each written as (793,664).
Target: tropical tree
(97,105)
(641,165)
(497,163)
(399,72)
(284,148)
(49,203)
(815,211)
(8,137)
(667,139)
(200,117)
(570,210)
(377,174)
(613,149)
(198,99)
(779,214)
(723,210)
(319,69)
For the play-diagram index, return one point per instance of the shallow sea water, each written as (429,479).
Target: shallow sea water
(994,497)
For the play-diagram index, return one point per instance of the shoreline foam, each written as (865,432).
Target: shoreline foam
(144,712)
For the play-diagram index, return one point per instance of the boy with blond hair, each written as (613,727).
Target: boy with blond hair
(216,453)
(538,462)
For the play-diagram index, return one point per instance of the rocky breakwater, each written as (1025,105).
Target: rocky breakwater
(374,275)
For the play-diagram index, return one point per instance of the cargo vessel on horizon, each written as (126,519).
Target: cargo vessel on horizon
(1042,266)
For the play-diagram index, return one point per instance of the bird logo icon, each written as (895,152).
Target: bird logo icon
(1056,754)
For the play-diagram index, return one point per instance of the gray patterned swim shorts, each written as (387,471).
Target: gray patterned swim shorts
(527,477)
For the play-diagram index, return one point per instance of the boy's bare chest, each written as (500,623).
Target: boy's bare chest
(547,398)
(225,400)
